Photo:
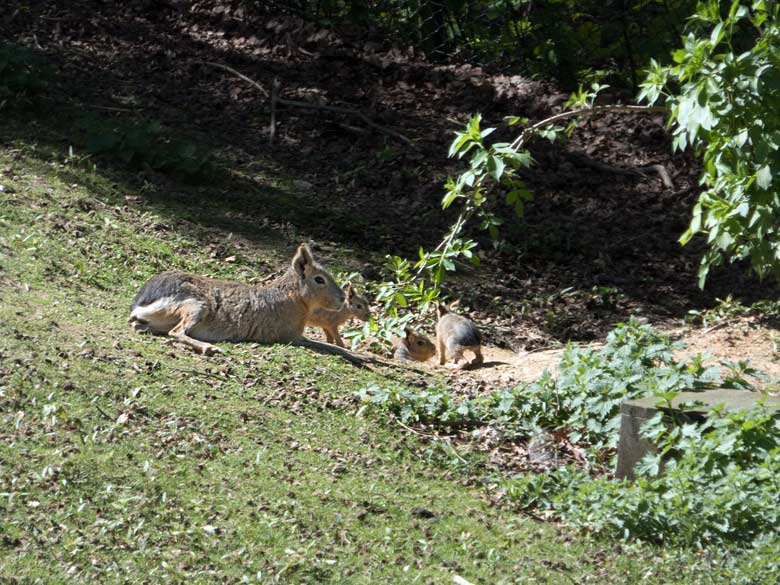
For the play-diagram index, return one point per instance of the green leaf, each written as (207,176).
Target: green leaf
(764,177)
(496,167)
(717,34)
(473,126)
(514,120)
(449,198)
(457,144)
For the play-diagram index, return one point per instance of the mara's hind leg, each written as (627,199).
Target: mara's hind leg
(190,314)
(478,359)
(139,326)
(442,351)
(456,355)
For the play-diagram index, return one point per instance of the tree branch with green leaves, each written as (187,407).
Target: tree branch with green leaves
(723,93)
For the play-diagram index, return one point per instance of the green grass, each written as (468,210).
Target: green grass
(125,459)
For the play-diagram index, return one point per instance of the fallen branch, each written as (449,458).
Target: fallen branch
(274,97)
(347,111)
(660,170)
(234,72)
(330,349)
(718,325)
(276,100)
(662,173)
(421,434)
(529,132)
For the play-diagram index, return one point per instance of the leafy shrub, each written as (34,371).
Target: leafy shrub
(23,74)
(720,479)
(583,402)
(723,104)
(144,144)
(438,408)
(586,397)
(419,283)
(719,484)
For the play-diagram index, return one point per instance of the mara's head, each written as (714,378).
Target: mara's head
(421,348)
(358,305)
(315,285)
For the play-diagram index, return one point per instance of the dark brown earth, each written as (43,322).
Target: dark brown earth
(594,247)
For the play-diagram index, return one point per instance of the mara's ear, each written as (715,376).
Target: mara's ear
(349,292)
(440,308)
(409,333)
(302,261)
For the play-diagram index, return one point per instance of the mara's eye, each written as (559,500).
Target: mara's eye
(319,280)
(359,306)
(420,343)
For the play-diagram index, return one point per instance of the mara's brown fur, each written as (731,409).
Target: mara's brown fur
(413,347)
(330,321)
(454,335)
(196,310)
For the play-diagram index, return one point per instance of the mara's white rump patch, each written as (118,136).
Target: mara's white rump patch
(162,305)
(163,314)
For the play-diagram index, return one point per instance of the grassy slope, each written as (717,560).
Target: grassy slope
(124,458)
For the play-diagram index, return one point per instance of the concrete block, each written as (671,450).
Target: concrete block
(634,413)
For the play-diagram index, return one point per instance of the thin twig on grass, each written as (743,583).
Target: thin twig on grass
(420,433)
(446,439)
(104,413)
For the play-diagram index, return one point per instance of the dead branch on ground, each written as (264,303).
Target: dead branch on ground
(276,101)
(643,171)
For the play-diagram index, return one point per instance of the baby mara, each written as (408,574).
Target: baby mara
(330,321)
(197,310)
(455,335)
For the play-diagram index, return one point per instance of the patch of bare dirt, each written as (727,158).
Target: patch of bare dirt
(735,340)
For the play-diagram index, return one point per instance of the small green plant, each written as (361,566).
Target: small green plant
(726,309)
(143,143)
(490,167)
(492,174)
(729,309)
(23,74)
